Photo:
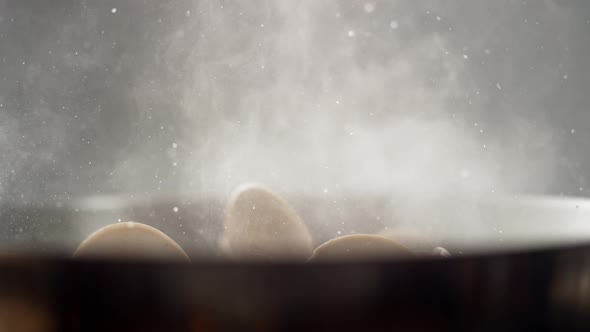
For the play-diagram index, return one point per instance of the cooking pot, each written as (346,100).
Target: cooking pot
(537,277)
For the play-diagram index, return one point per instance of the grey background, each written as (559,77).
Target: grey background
(194,97)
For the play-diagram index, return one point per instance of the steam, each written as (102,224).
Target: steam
(310,98)
(327,98)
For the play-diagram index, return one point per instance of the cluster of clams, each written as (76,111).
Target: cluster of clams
(258,226)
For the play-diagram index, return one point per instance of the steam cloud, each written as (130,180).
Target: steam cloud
(322,98)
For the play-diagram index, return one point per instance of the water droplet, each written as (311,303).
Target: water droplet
(187,13)
(339,232)
(325,190)
(369,7)
(175,209)
(119,220)
(572,131)
(581,188)
(464,174)
(438,18)
(565,77)
(498,86)
(174,145)
(394,25)
(253,207)
(465,56)
(351,33)
(114,10)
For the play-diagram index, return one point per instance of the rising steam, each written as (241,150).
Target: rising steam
(308,97)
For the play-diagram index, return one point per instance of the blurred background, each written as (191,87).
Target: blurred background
(422,98)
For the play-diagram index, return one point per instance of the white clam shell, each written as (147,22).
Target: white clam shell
(130,240)
(358,247)
(260,225)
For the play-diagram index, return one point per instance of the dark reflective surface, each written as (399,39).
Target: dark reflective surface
(533,291)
